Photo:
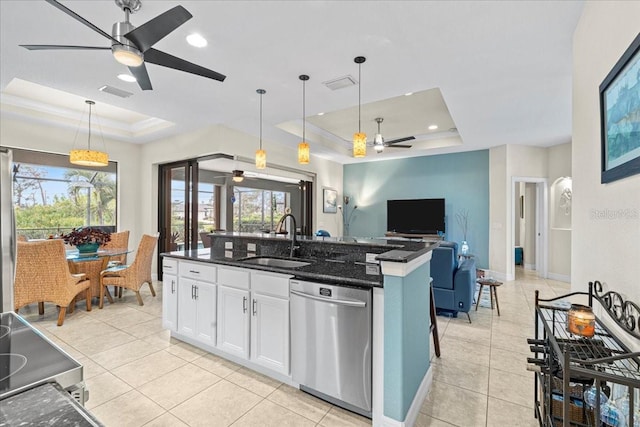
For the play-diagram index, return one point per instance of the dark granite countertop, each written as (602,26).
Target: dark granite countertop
(334,260)
(47,404)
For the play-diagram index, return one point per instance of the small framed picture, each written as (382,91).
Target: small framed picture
(329,200)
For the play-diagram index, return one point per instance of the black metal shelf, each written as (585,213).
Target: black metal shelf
(567,361)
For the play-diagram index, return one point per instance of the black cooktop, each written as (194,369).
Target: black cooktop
(27,358)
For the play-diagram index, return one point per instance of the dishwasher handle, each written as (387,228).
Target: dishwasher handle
(349,303)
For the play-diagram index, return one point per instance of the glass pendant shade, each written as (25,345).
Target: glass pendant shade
(261,159)
(88,157)
(359,144)
(303,153)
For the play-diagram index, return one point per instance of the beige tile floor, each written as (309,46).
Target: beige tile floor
(139,376)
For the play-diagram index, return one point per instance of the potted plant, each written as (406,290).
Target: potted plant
(86,239)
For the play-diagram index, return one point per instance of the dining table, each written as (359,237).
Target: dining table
(92,263)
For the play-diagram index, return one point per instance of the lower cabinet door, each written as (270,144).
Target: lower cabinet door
(205,297)
(270,332)
(170,302)
(186,307)
(233,321)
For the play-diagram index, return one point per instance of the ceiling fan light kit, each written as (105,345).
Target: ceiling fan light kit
(261,155)
(378,141)
(237,175)
(88,157)
(303,147)
(359,138)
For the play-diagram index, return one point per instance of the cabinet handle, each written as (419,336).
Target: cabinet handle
(173,287)
(193,292)
(196,291)
(194,271)
(244,304)
(254,307)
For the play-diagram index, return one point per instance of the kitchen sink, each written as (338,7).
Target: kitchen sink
(276,262)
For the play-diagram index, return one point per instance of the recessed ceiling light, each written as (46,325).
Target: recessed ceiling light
(433,127)
(127,78)
(196,40)
(408,94)
(321,114)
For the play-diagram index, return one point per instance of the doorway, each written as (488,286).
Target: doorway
(529,242)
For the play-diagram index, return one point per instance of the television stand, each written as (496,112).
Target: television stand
(414,236)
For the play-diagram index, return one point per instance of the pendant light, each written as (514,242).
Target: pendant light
(261,155)
(88,157)
(359,138)
(303,147)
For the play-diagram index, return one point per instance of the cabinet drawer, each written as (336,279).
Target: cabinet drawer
(198,270)
(234,277)
(169,265)
(270,284)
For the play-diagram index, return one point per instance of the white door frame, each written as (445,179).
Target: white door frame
(542,220)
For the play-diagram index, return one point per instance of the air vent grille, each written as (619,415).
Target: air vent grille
(115,91)
(340,82)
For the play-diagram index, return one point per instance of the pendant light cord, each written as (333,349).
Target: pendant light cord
(359,91)
(261,121)
(304,115)
(89,142)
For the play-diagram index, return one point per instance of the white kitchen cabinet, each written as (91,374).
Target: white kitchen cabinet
(270,332)
(170,301)
(170,294)
(270,346)
(233,321)
(197,302)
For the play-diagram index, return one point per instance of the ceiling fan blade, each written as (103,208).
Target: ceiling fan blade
(398,146)
(157,57)
(79,18)
(156,29)
(395,141)
(141,75)
(57,46)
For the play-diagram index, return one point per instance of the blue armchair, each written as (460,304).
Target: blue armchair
(453,284)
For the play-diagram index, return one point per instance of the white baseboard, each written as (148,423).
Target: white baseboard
(416,404)
(559,277)
(529,266)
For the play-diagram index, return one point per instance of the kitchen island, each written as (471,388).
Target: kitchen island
(225,300)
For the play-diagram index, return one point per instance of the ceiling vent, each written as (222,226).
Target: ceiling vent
(340,82)
(115,91)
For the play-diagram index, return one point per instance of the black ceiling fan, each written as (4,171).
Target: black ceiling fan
(132,46)
(379,142)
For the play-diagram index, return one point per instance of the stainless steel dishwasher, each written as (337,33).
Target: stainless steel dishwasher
(331,343)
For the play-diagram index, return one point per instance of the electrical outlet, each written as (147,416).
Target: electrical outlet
(228,245)
(228,254)
(371,258)
(251,247)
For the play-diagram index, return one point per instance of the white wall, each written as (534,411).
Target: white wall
(605,247)
(559,161)
(505,163)
(40,137)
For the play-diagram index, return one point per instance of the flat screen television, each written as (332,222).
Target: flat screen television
(415,216)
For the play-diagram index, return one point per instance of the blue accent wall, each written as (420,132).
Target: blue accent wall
(462,179)
(406,339)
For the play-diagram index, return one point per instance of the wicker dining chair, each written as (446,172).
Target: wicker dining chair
(42,275)
(131,276)
(118,240)
(92,268)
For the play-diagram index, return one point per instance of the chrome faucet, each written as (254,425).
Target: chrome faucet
(293,232)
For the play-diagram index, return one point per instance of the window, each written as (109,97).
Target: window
(51,196)
(257,210)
